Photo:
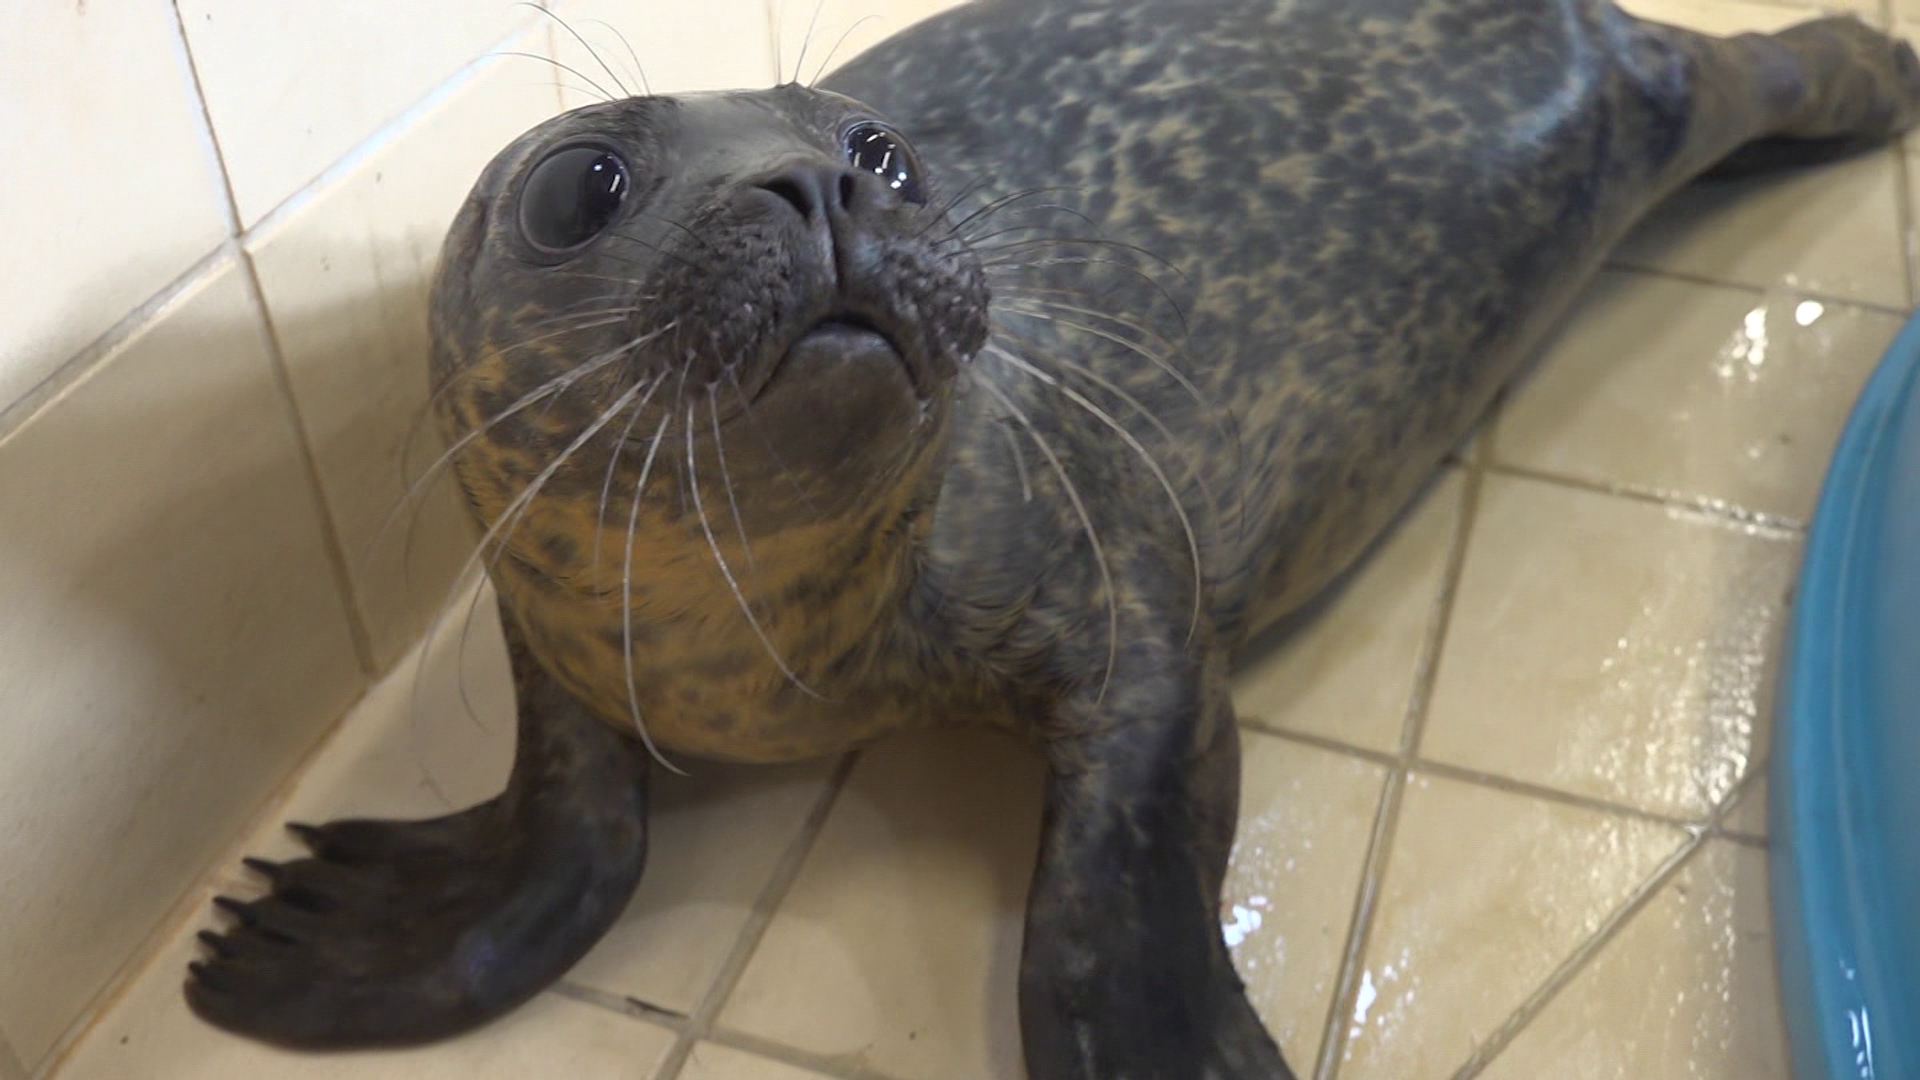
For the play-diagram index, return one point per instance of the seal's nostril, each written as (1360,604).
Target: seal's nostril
(814,190)
(799,194)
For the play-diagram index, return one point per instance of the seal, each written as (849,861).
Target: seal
(1010,377)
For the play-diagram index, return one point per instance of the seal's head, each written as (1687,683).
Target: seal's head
(707,345)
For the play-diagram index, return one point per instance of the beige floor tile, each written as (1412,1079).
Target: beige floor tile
(1686,992)
(1610,647)
(1347,672)
(1305,817)
(899,944)
(711,1062)
(151,1035)
(715,838)
(1832,230)
(1486,893)
(1749,814)
(1698,391)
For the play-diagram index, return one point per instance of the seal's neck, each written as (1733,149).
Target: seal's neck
(699,618)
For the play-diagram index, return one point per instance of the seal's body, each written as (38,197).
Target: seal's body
(1010,378)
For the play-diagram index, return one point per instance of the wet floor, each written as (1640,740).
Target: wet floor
(1501,817)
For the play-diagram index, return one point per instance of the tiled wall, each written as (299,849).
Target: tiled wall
(220,219)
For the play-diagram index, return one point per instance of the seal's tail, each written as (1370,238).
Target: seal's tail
(1818,91)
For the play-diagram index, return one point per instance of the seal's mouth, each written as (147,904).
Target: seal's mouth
(850,336)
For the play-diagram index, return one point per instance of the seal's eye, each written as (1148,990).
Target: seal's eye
(872,148)
(571,196)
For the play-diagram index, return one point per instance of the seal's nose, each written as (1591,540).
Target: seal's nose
(820,191)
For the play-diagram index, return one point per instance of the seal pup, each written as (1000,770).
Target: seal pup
(1011,377)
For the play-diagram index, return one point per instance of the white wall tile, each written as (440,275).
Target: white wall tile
(811,44)
(715,45)
(111,186)
(346,280)
(174,642)
(292,87)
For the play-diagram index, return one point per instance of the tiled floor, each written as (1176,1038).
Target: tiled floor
(1501,814)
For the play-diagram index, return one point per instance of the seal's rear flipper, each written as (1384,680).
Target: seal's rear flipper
(1812,93)
(400,932)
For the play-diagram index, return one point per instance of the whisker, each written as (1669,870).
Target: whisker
(706,527)
(1108,335)
(597,88)
(821,72)
(746,408)
(1086,523)
(998,273)
(606,486)
(639,70)
(1019,463)
(1166,485)
(626,598)
(997,204)
(591,51)
(1193,467)
(726,479)
(807,42)
(509,519)
(551,388)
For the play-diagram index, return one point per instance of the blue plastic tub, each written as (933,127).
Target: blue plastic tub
(1845,814)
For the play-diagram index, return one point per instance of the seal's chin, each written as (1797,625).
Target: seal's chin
(845,342)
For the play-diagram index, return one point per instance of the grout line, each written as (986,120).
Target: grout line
(1570,968)
(359,626)
(624,1004)
(234,228)
(1542,793)
(707,1012)
(1259,726)
(386,135)
(1366,902)
(1414,727)
(1783,528)
(1620,266)
(54,388)
(1337,1028)
(1464,775)
(841,1068)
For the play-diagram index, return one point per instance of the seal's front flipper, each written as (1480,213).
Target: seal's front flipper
(403,932)
(1125,972)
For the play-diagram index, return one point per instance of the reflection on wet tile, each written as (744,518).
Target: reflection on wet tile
(899,945)
(1609,647)
(1832,230)
(1485,895)
(711,1062)
(1305,816)
(1699,391)
(714,840)
(1347,672)
(1686,992)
